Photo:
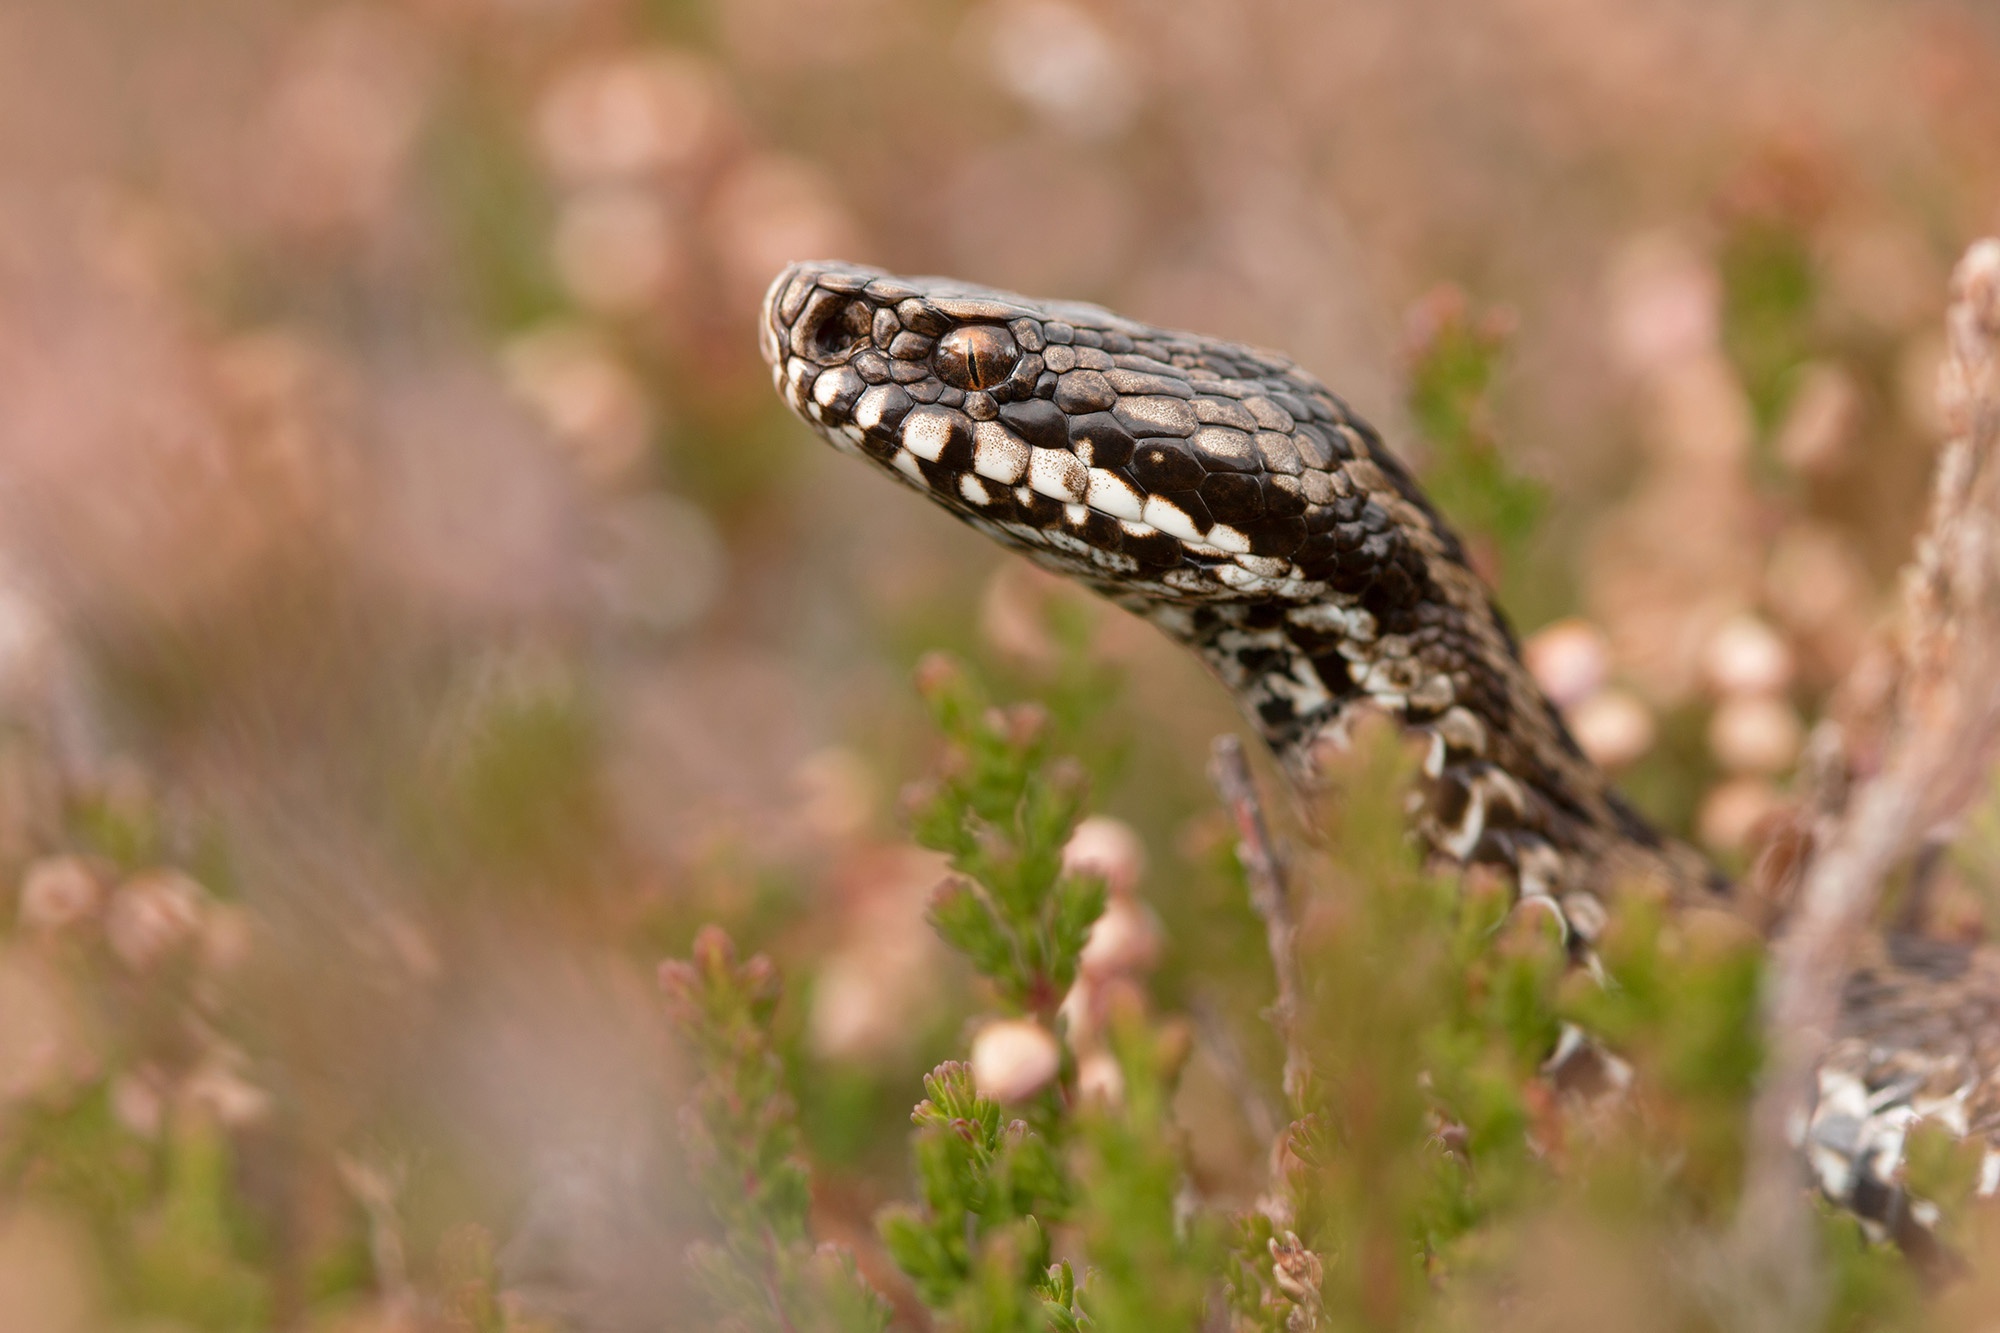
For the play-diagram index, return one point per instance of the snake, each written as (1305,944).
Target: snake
(1227,496)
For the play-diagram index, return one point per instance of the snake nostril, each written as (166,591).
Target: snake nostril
(833,326)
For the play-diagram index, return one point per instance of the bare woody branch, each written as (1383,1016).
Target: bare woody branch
(1942,725)
(1270,897)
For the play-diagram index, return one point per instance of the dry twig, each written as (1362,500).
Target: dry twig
(1944,720)
(1270,896)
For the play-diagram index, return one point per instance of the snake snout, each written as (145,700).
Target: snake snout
(815,309)
(773,329)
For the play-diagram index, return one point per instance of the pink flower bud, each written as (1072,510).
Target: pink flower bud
(1123,940)
(58,891)
(1109,849)
(1613,727)
(152,915)
(1013,1059)
(1569,660)
(1746,656)
(1099,1079)
(1755,734)
(1732,814)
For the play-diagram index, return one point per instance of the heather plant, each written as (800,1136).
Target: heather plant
(763,1273)
(1009,1151)
(1434,1151)
(1472,1097)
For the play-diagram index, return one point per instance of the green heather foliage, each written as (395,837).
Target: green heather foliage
(1427,1168)
(1456,356)
(1001,808)
(763,1273)
(1430,1173)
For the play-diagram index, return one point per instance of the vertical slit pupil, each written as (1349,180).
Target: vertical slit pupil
(977,356)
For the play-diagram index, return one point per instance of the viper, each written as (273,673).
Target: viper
(1233,500)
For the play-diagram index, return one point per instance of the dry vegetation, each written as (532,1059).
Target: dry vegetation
(418,617)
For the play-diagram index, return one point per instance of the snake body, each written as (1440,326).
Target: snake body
(1230,498)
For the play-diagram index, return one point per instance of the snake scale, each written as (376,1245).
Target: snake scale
(1230,498)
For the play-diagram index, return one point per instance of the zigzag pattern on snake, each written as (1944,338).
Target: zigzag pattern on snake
(1231,499)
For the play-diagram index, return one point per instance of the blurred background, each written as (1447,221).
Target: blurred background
(417,613)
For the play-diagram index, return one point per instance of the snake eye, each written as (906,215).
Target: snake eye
(835,326)
(977,356)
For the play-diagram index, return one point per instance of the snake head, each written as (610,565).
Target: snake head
(1152,464)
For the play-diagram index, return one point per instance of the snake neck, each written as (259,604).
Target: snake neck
(1502,783)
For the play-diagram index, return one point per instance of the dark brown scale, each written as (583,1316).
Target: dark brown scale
(941,476)
(1162,465)
(1040,423)
(1038,509)
(1233,498)
(1337,674)
(1283,497)
(1261,661)
(1450,798)
(1277,536)
(1390,596)
(1276,714)
(1320,447)
(896,405)
(1100,440)
(1153,550)
(887,329)
(889,289)
(1191,504)
(1398,476)
(1292,405)
(1318,556)
(923,318)
(1005,508)
(1081,391)
(1497,847)
(1225,449)
(957,451)
(1263,615)
(1015,390)
(1100,530)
